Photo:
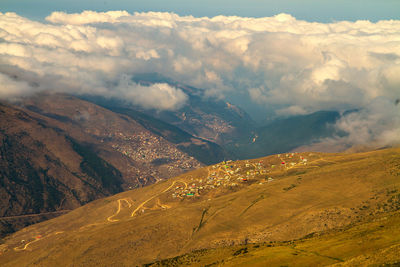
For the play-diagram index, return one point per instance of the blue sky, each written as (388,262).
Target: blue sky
(310,10)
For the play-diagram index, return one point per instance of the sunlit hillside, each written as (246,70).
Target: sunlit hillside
(337,201)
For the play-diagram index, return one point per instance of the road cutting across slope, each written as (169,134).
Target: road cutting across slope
(34,215)
(163,206)
(156,195)
(37,238)
(119,209)
(26,245)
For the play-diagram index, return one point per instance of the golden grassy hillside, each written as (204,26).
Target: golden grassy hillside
(373,242)
(273,199)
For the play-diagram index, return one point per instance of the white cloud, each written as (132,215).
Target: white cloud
(160,96)
(86,17)
(376,125)
(11,88)
(288,65)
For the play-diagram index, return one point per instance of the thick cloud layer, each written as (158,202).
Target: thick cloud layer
(287,65)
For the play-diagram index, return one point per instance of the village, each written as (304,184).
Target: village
(146,148)
(163,159)
(230,175)
(155,156)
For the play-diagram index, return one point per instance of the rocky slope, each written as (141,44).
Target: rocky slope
(41,169)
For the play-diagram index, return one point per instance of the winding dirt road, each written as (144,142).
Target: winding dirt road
(144,202)
(119,209)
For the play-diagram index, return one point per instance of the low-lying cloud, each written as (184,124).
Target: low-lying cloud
(159,96)
(287,65)
(377,125)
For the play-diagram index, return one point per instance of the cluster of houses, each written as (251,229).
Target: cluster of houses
(146,148)
(151,152)
(218,125)
(229,174)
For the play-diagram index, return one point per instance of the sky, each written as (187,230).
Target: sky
(310,10)
(272,59)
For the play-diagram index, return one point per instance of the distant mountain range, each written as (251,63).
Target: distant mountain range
(204,117)
(60,151)
(229,125)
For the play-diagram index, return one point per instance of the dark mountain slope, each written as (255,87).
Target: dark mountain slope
(283,135)
(42,169)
